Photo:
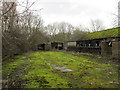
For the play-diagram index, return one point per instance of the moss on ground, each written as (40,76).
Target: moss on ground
(114,32)
(36,71)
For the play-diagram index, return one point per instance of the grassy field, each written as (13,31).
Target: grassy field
(54,69)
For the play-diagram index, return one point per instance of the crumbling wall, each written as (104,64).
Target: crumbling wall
(90,50)
(116,49)
(105,49)
(71,44)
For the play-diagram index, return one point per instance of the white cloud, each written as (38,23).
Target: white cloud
(77,12)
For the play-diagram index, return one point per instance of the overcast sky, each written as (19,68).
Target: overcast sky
(76,12)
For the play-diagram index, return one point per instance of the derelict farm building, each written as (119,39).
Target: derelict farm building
(106,42)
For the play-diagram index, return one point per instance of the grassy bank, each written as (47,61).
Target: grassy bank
(40,70)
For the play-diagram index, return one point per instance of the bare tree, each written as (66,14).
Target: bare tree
(78,33)
(115,22)
(21,32)
(96,25)
(118,23)
(116,18)
(65,31)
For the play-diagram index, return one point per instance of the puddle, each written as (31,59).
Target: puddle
(110,82)
(49,61)
(54,65)
(103,69)
(62,68)
(99,69)
(66,70)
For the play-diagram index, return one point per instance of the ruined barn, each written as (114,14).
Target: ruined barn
(50,46)
(57,45)
(106,42)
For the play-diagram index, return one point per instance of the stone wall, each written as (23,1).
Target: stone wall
(116,49)
(105,49)
(113,51)
(72,48)
(47,47)
(90,50)
(71,44)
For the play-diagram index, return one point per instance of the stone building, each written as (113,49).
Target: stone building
(106,43)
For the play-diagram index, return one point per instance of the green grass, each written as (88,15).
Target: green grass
(35,70)
(114,32)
